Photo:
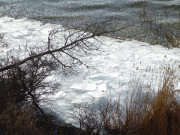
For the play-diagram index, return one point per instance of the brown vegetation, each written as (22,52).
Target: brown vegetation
(15,121)
(142,113)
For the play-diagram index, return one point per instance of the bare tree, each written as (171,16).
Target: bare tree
(22,78)
(72,43)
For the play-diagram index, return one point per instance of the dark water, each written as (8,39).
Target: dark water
(146,18)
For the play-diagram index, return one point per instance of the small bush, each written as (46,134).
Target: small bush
(15,121)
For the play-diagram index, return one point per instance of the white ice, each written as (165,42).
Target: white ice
(118,64)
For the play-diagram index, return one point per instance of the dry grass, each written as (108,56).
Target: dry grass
(142,113)
(163,118)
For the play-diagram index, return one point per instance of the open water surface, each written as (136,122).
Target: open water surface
(147,19)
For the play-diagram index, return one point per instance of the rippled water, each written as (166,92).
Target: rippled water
(79,13)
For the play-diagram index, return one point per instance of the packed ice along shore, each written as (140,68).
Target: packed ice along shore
(118,65)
